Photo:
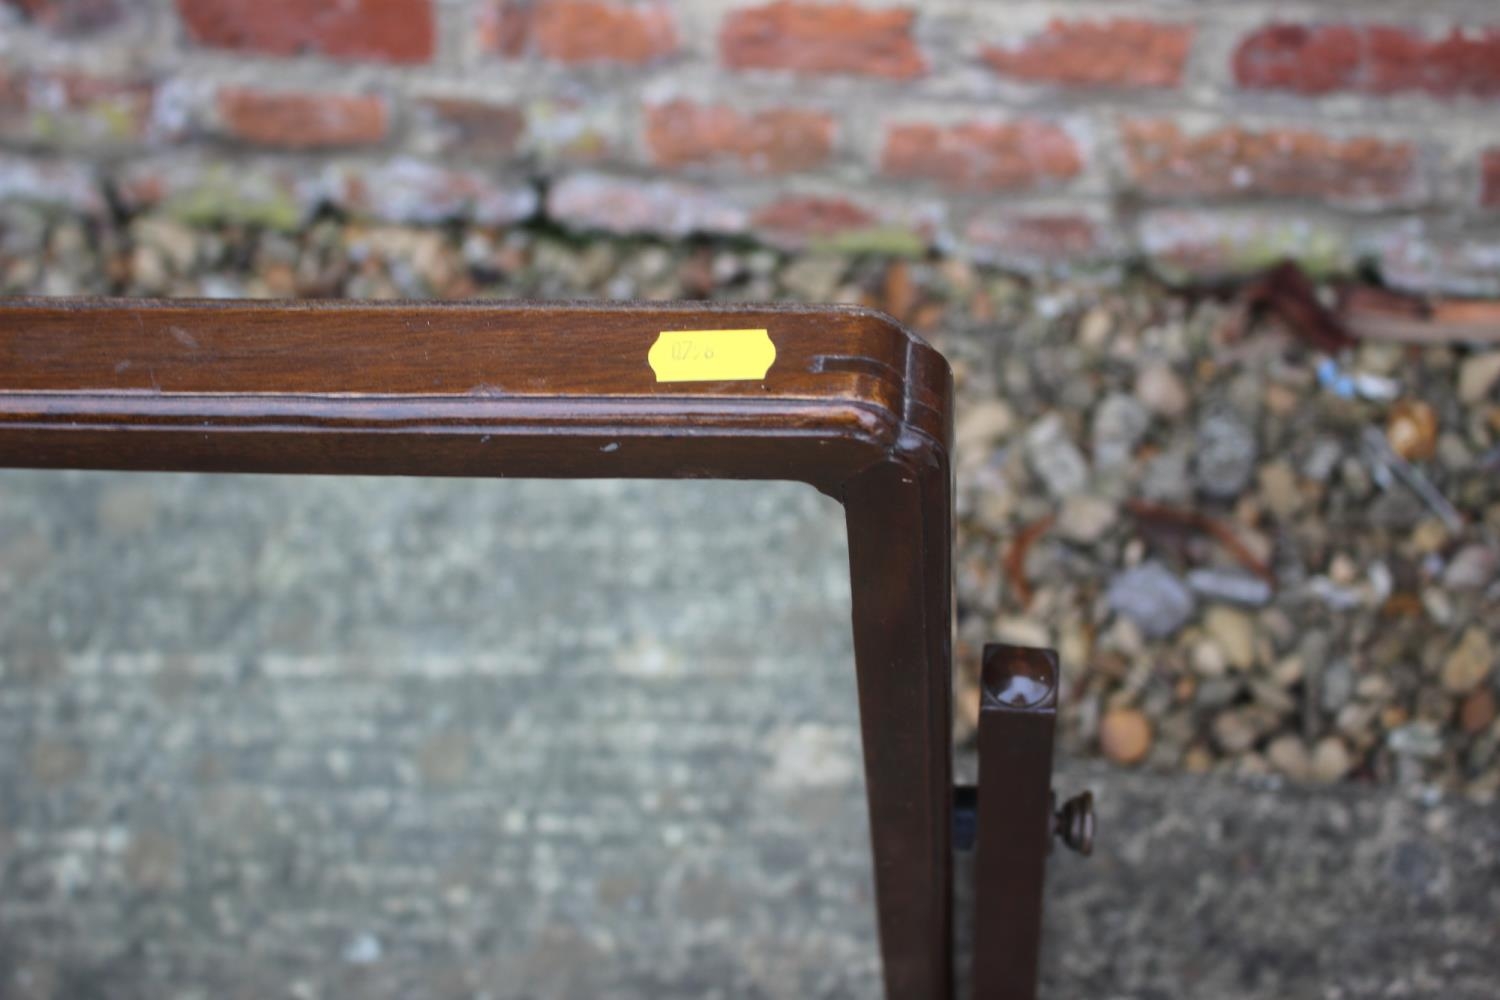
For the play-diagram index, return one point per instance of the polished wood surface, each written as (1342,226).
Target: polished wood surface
(853,404)
(1017,723)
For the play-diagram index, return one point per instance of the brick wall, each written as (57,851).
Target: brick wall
(1209,136)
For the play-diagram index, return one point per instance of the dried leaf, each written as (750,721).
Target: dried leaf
(1286,291)
(1015,558)
(1178,519)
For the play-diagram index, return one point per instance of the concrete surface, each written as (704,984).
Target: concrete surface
(391,738)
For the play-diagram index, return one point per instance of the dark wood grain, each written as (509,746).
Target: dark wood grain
(1017,723)
(853,405)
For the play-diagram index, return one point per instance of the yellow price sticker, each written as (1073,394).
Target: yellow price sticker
(712,355)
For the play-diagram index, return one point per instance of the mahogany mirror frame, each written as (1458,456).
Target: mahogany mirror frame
(853,404)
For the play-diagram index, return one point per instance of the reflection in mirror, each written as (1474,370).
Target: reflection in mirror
(318,737)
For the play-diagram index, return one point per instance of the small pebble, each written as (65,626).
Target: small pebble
(1322,458)
(1235,731)
(981,426)
(1234,632)
(1288,755)
(1218,692)
(1152,597)
(1125,735)
(1208,659)
(1477,375)
(1162,391)
(1413,430)
(1343,570)
(1055,459)
(1478,711)
(1472,568)
(1085,519)
(1278,487)
(1119,423)
(1095,327)
(1330,760)
(1429,536)
(1469,663)
(1229,586)
(1416,739)
(1225,457)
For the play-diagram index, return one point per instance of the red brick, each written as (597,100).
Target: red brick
(570,130)
(1489,183)
(69,17)
(1370,59)
(70,185)
(811,216)
(478,129)
(982,156)
(776,141)
(392,31)
(410,191)
(505,27)
(627,205)
(12,92)
(582,32)
(1189,244)
(280,192)
(1120,52)
(1038,240)
(78,90)
(819,38)
(1053,237)
(848,225)
(1294,163)
(302,120)
(1438,255)
(74,109)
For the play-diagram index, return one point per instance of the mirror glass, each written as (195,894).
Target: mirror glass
(315,737)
